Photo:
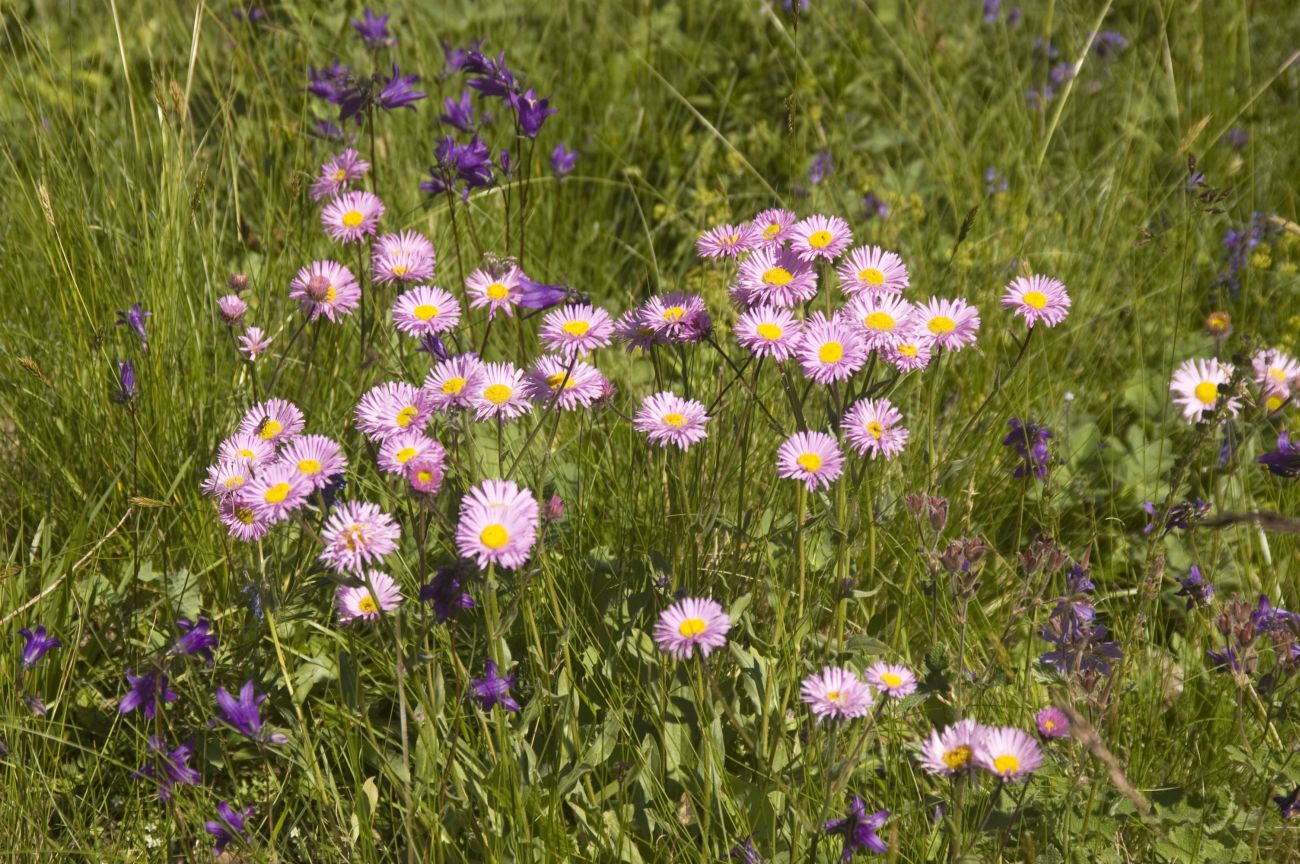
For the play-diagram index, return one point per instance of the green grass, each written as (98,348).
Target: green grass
(149,151)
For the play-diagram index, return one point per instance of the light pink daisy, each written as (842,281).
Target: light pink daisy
(377,593)
(884,318)
(874,427)
(247,448)
(352,216)
(405,257)
(1008,753)
(692,623)
(275,491)
(913,350)
(424,473)
(1196,387)
(952,323)
(666,418)
(275,420)
(773,226)
(325,288)
(820,236)
(318,458)
(634,330)
(812,457)
(390,408)
(449,384)
(564,383)
(356,534)
(226,478)
(677,317)
(774,276)
(337,174)
(424,310)
(1038,298)
(254,342)
(498,524)
(728,241)
(836,694)
(891,679)
(769,331)
(499,293)
(578,328)
(232,308)
(830,349)
(242,521)
(952,751)
(397,453)
(499,392)
(1052,722)
(1274,371)
(872,270)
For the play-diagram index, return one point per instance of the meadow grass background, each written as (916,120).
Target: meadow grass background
(151,149)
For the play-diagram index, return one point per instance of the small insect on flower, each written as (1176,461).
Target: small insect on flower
(726,241)
(499,393)
(377,593)
(337,174)
(872,270)
(774,276)
(356,534)
(774,226)
(498,524)
(892,680)
(318,458)
(812,457)
(450,384)
(820,236)
(1052,722)
(567,384)
(874,427)
(397,453)
(885,319)
(836,694)
(275,420)
(325,289)
(424,310)
(666,418)
(576,329)
(352,216)
(769,331)
(1196,386)
(390,408)
(689,624)
(1038,298)
(274,492)
(953,750)
(498,292)
(404,257)
(831,349)
(1008,753)
(954,324)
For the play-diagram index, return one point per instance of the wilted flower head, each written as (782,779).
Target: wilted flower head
(726,241)
(356,534)
(1285,460)
(232,308)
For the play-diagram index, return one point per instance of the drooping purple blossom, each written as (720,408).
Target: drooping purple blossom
(1288,804)
(195,638)
(1030,443)
(535,295)
(459,113)
(331,83)
(145,693)
(431,344)
(874,205)
(397,92)
(446,592)
(1285,460)
(493,689)
(126,390)
(169,768)
(1236,138)
(563,160)
(1195,588)
(38,643)
(228,827)
(490,77)
(744,852)
(134,319)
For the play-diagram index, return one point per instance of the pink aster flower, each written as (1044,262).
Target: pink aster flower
(247,448)
(952,323)
(397,453)
(953,750)
(579,328)
(357,534)
(318,458)
(391,408)
(728,241)
(564,383)
(337,174)
(351,216)
(836,694)
(449,384)
(913,350)
(1008,753)
(275,491)
(1052,723)
(254,342)
(325,288)
(891,680)
(1196,385)
(874,427)
(405,257)
(424,473)
(820,236)
(774,276)
(232,308)
(885,319)
(769,331)
(677,317)
(872,270)
(666,419)
(1274,373)
(499,293)
(376,593)
(1038,298)
(773,226)
(499,392)
(830,349)
(274,420)
(226,478)
(242,521)
(424,310)
(812,457)
(689,624)
(498,524)
(634,330)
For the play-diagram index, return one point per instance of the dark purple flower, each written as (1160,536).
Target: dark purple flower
(1108,44)
(744,852)
(446,592)
(1072,626)
(1227,660)
(431,344)
(875,206)
(1181,515)
(1265,618)
(134,318)
(1013,17)
(822,166)
(538,296)
(1236,138)
(1044,49)
(244,714)
(374,30)
(145,692)
(858,829)
(1289,804)
(1030,443)
(399,92)
(1060,73)
(459,114)
(492,689)
(456,58)
(228,826)
(125,382)
(331,83)
(491,77)
(991,10)
(563,160)
(1194,587)
(994,181)
(505,163)
(38,643)
(169,769)
(1285,460)
(251,14)
(196,638)
(532,111)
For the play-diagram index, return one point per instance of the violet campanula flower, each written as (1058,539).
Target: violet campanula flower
(532,111)
(563,160)
(459,114)
(244,714)
(228,826)
(1285,460)
(145,693)
(858,829)
(446,592)
(373,30)
(134,319)
(1030,443)
(196,638)
(38,643)
(169,768)
(493,689)
(1195,588)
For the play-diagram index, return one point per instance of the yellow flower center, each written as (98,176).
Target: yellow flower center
(941,324)
(245,515)
(406,454)
(453,386)
(497,291)
(309,466)
(890,679)
(778,276)
(1277,373)
(692,627)
(907,350)
(560,379)
(497,393)
(424,477)
(830,352)
(406,416)
(771,231)
(576,328)
(674,313)
(675,420)
(340,175)
(875,430)
(1274,402)
(770,332)
(879,321)
(400,269)
(957,757)
(494,536)
(1036,299)
(247,454)
(331,295)
(819,239)
(354,536)
(1006,764)
(270,429)
(276,493)
(834,696)
(352,218)
(871,276)
(1207,392)
(810,462)
(367,604)
(1049,725)
(425,311)
(234,482)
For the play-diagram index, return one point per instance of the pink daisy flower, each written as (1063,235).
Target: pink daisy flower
(253,342)
(232,308)
(275,491)
(1038,298)
(226,478)
(358,533)
(874,426)
(775,276)
(872,270)
(773,226)
(689,624)
(884,318)
(424,310)
(242,521)
(1196,385)
(274,420)
(391,408)
(337,174)
(666,418)
(498,524)
(820,236)
(351,216)
(913,350)
(728,241)
(565,384)
(952,323)
(377,593)
(769,331)
(953,750)
(424,473)
(405,257)
(397,453)
(497,293)
(318,458)
(836,694)
(812,457)
(247,448)
(1052,722)
(891,680)
(579,328)
(830,349)
(325,288)
(634,330)
(1274,373)
(677,317)
(499,392)
(1008,753)
(449,384)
